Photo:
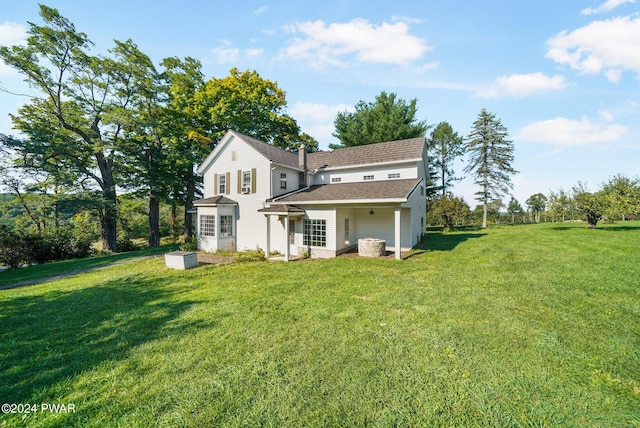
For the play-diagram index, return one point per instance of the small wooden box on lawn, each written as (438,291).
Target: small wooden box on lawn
(181,259)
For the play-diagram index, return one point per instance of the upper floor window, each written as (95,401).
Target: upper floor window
(283,180)
(246,181)
(222,184)
(393,175)
(368,177)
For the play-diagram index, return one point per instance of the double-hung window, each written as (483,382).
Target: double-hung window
(246,181)
(222,184)
(283,180)
(226,226)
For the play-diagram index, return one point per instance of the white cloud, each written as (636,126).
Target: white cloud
(317,120)
(11,34)
(607,47)
(397,18)
(226,53)
(613,75)
(607,6)
(319,112)
(605,115)
(523,85)
(262,9)
(253,52)
(565,132)
(369,43)
(426,67)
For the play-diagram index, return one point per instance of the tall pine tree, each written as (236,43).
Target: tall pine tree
(445,146)
(490,159)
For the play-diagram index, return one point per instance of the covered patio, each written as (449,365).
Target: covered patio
(285,213)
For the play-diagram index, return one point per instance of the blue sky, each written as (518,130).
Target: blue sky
(562,76)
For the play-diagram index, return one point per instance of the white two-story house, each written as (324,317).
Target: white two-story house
(259,196)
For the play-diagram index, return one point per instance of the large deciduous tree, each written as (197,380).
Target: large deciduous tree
(621,193)
(491,156)
(86,95)
(560,205)
(146,130)
(189,143)
(445,146)
(537,204)
(592,205)
(386,119)
(448,210)
(247,103)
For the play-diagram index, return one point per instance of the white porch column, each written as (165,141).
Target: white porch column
(286,237)
(268,217)
(397,234)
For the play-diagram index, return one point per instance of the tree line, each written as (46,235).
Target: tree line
(101,124)
(617,199)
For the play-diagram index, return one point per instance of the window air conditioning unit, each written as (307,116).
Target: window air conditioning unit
(246,190)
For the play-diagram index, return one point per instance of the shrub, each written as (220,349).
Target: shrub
(190,245)
(49,245)
(125,245)
(56,244)
(13,249)
(256,255)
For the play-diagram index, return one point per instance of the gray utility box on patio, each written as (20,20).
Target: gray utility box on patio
(181,259)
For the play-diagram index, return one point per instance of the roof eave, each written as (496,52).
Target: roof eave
(352,201)
(214,204)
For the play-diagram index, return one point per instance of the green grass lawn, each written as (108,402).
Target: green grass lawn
(535,325)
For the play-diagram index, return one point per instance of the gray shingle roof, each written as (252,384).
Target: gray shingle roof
(282,208)
(273,153)
(363,191)
(411,148)
(216,200)
(369,154)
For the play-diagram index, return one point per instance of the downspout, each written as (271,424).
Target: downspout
(273,168)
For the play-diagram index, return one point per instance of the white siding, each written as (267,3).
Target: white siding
(380,173)
(418,207)
(379,225)
(293,180)
(250,224)
(341,215)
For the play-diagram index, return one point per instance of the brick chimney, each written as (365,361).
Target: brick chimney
(302,163)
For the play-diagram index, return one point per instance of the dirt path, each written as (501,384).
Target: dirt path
(75,272)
